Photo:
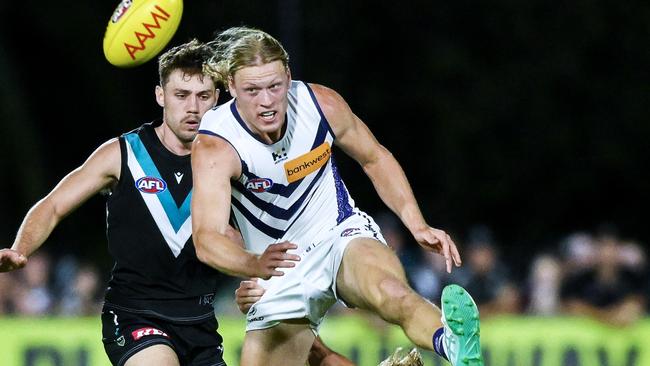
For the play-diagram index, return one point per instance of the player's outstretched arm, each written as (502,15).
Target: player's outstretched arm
(214,164)
(98,172)
(386,174)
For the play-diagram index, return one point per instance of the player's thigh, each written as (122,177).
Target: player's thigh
(286,344)
(369,269)
(157,354)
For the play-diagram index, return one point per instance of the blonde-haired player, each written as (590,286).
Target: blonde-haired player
(267,156)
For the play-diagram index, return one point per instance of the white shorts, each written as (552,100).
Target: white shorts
(308,290)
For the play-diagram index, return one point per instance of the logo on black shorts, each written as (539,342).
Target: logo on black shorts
(143,332)
(206,299)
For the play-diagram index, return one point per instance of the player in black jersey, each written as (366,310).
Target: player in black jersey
(158,304)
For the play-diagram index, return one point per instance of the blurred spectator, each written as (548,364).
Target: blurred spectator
(486,277)
(81,297)
(579,252)
(7,293)
(612,289)
(544,285)
(63,275)
(428,275)
(632,256)
(33,295)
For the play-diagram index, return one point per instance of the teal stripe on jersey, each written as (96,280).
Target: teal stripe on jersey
(177,215)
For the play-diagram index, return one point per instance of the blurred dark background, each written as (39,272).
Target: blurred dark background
(528,117)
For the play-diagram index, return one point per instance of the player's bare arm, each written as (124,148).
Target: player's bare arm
(101,170)
(214,164)
(386,174)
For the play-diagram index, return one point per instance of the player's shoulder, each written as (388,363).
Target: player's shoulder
(142,128)
(325,95)
(113,146)
(110,148)
(105,160)
(330,101)
(219,120)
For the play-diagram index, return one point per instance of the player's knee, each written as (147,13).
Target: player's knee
(395,297)
(393,288)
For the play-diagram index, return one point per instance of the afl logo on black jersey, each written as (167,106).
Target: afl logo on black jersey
(150,185)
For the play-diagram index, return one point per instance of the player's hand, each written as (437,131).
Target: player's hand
(321,355)
(11,259)
(248,293)
(275,256)
(439,242)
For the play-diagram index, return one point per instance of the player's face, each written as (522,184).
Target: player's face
(185,99)
(261,93)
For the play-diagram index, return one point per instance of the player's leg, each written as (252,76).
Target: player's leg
(371,277)
(282,345)
(158,354)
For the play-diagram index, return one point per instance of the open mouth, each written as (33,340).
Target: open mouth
(268,116)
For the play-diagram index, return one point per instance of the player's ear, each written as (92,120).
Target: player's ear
(217,91)
(160,96)
(231,87)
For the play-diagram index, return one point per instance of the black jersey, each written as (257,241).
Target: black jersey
(156,270)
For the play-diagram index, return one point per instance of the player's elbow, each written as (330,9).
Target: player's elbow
(201,254)
(202,250)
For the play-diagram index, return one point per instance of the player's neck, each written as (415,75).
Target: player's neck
(171,142)
(270,137)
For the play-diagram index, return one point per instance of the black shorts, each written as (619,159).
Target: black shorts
(125,334)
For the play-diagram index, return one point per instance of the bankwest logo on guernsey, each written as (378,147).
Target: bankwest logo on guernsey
(308,163)
(149,33)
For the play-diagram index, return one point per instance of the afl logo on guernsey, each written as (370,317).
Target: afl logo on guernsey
(259,185)
(150,185)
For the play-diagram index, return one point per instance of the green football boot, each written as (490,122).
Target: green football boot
(460,318)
